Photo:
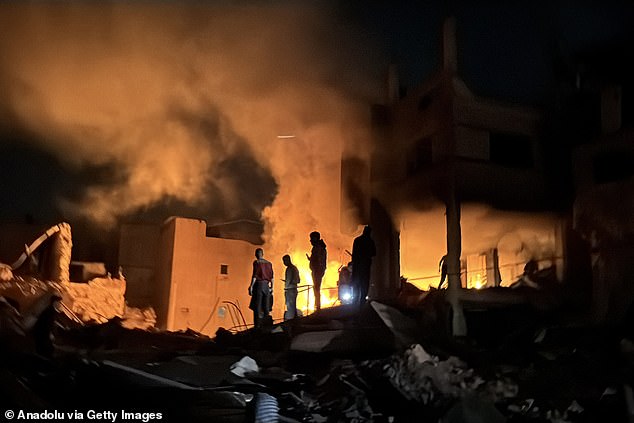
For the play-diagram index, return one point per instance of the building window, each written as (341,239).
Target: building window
(512,150)
(224,269)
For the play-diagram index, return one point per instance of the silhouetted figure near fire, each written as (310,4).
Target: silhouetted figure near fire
(442,268)
(261,288)
(528,277)
(363,249)
(317,259)
(290,287)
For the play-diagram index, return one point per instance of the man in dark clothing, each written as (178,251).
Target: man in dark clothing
(317,259)
(261,288)
(363,249)
(290,287)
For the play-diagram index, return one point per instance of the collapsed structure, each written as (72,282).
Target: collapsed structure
(43,269)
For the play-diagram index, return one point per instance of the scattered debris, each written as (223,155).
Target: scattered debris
(97,301)
(245,365)
(6,274)
(343,364)
(139,318)
(423,378)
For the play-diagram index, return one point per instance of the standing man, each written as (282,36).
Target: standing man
(442,268)
(317,259)
(363,249)
(261,288)
(290,287)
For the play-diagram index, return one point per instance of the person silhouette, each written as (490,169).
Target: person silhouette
(363,249)
(290,287)
(261,288)
(317,259)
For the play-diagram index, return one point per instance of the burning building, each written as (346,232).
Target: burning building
(440,152)
(457,174)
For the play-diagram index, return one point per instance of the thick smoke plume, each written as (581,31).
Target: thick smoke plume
(175,98)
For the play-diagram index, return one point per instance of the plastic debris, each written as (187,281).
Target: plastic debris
(245,365)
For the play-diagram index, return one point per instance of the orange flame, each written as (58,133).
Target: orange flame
(306,295)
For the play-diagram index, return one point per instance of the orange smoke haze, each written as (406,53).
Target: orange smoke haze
(164,92)
(108,84)
(517,236)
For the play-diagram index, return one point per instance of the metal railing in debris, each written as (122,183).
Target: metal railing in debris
(307,289)
(517,266)
(237,318)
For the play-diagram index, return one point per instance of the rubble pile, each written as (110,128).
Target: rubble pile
(342,364)
(139,318)
(97,301)
(6,274)
(24,291)
(236,377)
(423,378)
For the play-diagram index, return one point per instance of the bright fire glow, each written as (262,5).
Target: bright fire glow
(477,282)
(306,297)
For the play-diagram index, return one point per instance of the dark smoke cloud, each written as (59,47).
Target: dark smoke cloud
(179,103)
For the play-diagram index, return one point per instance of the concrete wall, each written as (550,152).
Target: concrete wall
(138,252)
(185,275)
(163,278)
(198,287)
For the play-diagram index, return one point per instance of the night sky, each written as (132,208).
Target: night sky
(515,51)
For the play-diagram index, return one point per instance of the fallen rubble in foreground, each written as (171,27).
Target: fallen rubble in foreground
(380,363)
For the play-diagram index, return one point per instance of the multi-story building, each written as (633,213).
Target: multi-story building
(441,141)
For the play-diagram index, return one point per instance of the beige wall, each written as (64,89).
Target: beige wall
(176,269)
(163,268)
(197,288)
(138,252)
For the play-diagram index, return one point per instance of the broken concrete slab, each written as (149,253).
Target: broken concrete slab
(405,329)
(315,341)
(6,274)
(97,301)
(139,318)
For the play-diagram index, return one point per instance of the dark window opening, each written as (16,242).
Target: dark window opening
(224,269)
(613,166)
(420,156)
(511,150)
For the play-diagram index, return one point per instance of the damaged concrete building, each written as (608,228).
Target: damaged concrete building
(442,141)
(603,169)
(179,277)
(192,280)
(43,268)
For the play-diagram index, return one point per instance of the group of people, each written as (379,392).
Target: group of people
(261,287)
